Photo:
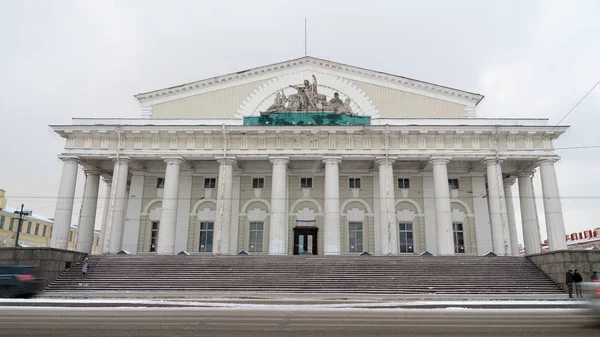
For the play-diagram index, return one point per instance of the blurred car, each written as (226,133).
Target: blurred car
(593,290)
(19,281)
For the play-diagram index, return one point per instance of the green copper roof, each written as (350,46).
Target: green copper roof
(307,119)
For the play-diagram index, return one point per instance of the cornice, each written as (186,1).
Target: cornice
(269,71)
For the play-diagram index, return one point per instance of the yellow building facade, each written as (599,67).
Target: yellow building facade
(35,229)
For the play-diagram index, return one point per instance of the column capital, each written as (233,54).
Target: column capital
(547,160)
(525,174)
(121,159)
(492,160)
(91,171)
(439,160)
(107,179)
(226,160)
(509,181)
(332,160)
(384,160)
(178,160)
(279,160)
(69,159)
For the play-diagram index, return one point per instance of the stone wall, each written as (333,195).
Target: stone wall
(555,264)
(51,262)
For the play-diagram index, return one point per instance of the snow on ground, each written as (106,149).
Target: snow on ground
(279,305)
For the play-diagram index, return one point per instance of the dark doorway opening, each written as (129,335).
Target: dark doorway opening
(305,240)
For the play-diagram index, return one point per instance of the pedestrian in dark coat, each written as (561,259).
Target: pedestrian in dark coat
(569,281)
(594,277)
(577,280)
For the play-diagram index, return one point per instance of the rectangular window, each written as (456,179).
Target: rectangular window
(258,182)
(459,238)
(37,229)
(154,236)
(453,184)
(355,234)
(403,183)
(353,182)
(97,241)
(2,218)
(44,231)
(71,236)
(206,236)
(11,226)
(256,237)
(210,182)
(406,235)
(306,183)
(29,227)
(160,182)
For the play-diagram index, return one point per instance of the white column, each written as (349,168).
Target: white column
(529,218)
(278,224)
(87,218)
(429,212)
(183,211)
(510,212)
(387,206)
(483,232)
(117,218)
(223,217)
(131,230)
(168,215)
(64,204)
(443,218)
(104,220)
(331,235)
(235,214)
(552,206)
(498,218)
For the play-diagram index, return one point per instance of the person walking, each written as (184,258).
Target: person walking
(84,268)
(569,281)
(577,280)
(594,277)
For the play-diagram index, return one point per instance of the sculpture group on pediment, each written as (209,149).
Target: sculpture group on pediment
(308,99)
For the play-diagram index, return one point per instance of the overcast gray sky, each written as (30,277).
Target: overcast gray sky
(64,59)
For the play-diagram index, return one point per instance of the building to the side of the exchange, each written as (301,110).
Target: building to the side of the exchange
(311,156)
(36,229)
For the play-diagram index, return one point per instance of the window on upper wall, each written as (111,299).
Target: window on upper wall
(71,236)
(210,182)
(44,231)
(11,226)
(403,183)
(306,183)
(258,182)
(29,227)
(37,229)
(2,218)
(353,182)
(160,182)
(453,184)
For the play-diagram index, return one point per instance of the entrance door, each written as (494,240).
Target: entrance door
(305,240)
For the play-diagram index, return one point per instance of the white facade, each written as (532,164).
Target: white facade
(425,175)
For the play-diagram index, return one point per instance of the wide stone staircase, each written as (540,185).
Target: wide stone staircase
(295,274)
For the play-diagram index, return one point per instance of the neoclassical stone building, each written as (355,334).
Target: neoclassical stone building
(352,160)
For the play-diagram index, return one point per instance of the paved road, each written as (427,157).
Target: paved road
(84,322)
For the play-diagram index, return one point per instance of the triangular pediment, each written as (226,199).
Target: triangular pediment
(249,92)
